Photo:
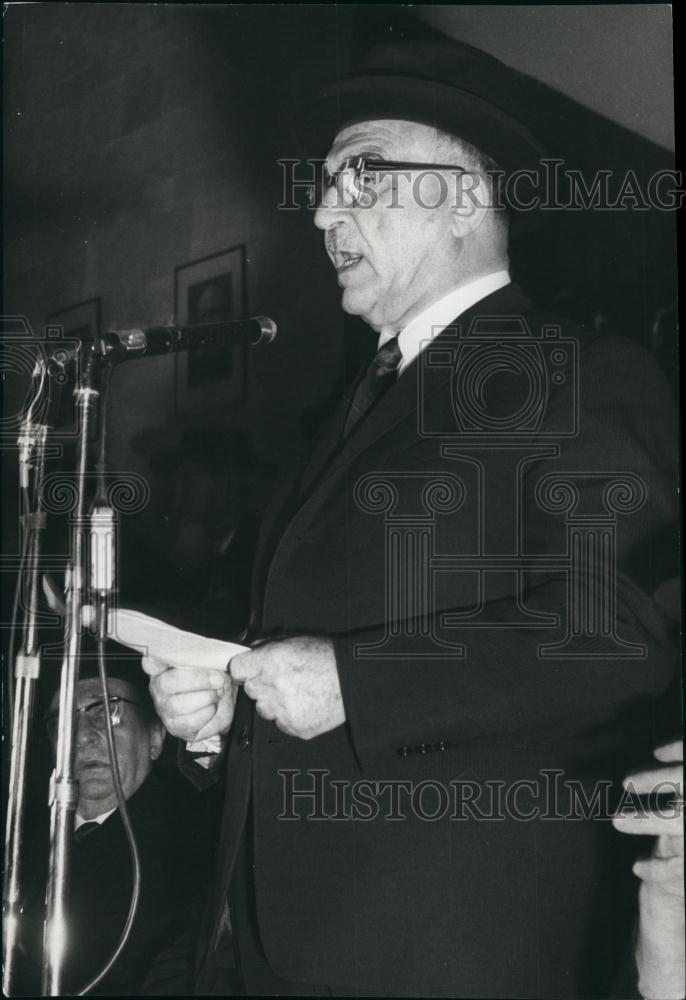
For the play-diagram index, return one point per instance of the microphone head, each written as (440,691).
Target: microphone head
(127,340)
(268,329)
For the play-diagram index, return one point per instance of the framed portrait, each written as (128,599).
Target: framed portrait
(81,321)
(210,290)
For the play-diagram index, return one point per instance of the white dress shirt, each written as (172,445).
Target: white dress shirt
(79,820)
(421,330)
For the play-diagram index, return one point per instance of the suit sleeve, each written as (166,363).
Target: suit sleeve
(503,687)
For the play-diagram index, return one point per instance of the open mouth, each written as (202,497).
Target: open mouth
(344,261)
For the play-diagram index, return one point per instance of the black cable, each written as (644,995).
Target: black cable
(128,828)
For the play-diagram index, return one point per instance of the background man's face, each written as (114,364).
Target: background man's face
(138,740)
(406,254)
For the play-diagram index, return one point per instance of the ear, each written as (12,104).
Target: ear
(472,202)
(157,734)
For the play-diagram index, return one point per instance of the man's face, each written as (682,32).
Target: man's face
(137,738)
(391,262)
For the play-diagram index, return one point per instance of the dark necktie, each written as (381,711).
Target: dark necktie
(85,830)
(379,377)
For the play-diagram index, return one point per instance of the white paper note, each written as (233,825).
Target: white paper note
(153,637)
(172,645)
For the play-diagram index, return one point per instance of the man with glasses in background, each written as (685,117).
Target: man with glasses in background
(173,842)
(138,739)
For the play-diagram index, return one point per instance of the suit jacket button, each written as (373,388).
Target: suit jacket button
(423,748)
(404,751)
(441,745)
(244,740)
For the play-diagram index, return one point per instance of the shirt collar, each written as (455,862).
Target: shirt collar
(79,820)
(414,337)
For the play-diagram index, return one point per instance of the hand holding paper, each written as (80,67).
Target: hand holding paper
(293,682)
(170,645)
(192,690)
(190,685)
(195,705)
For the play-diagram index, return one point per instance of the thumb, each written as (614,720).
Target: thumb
(244,666)
(670,752)
(152,666)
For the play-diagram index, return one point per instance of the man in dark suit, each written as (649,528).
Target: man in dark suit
(455,642)
(173,842)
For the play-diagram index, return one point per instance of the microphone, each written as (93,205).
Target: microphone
(127,345)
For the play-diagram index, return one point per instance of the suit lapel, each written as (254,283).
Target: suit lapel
(399,404)
(402,400)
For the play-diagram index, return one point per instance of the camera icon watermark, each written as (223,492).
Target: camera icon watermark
(502,379)
(37,378)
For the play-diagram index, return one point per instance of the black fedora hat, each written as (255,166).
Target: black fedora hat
(443,83)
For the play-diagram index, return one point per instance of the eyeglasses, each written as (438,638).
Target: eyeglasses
(356,180)
(94,712)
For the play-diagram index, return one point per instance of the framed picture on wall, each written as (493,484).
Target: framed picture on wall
(74,323)
(210,290)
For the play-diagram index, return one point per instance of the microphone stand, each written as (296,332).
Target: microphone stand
(31,442)
(97,358)
(64,787)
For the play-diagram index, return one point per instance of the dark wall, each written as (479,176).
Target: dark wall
(141,137)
